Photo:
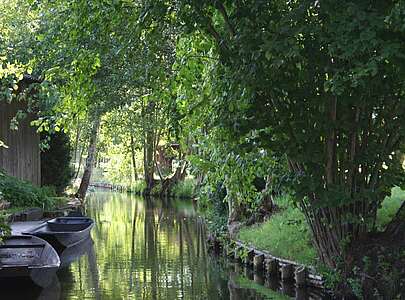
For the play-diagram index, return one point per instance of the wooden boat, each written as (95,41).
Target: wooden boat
(28,258)
(73,253)
(63,232)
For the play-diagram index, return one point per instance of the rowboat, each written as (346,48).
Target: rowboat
(73,253)
(63,232)
(28,258)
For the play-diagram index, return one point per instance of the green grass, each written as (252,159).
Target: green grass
(138,187)
(389,207)
(286,234)
(184,189)
(266,293)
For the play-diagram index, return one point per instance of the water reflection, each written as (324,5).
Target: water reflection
(146,249)
(71,254)
(151,249)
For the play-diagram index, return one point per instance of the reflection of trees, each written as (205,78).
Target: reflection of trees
(93,271)
(146,249)
(150,248)
(132,272)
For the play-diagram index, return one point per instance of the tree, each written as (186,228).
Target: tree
(88,169)
(55,162)
(319,82)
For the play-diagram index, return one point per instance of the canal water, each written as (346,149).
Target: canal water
(145,249)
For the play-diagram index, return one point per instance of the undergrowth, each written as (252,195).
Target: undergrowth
(286,234)
(21,193)
(184,189)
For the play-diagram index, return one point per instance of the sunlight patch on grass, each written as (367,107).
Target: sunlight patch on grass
(389,207)
(286,234)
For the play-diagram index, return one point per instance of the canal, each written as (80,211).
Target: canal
(145,249)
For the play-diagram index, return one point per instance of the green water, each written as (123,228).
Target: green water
(145,249)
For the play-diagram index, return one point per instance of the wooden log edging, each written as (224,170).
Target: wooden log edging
(273,266)
(37,214)
(109,186)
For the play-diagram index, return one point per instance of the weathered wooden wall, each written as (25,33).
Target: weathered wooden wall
(22,157)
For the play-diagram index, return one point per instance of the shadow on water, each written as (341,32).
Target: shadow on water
(151,249)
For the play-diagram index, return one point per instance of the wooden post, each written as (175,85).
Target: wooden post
(287,288)
(301,294)
(258,262)
(272,283)
(249,274)
(287,272)
(237,268)
(300,276)
(258,279)
(272,267)
(249,257)
(237,253)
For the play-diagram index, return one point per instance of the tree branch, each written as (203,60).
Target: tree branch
(331,144)
(221,8)
(396,227)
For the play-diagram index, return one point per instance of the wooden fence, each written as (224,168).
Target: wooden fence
(22,157)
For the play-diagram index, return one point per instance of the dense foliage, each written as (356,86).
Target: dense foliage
(259,97)
(56,169)
(23,194)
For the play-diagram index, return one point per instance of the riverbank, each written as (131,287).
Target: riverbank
(284,241)
(183,189)
(287,234)
(23,201)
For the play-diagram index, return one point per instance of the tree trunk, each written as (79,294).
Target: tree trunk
(80,162)
(170,182)
(148,161)
(84,184)
(396,228)
(78,130)
(133,156)
(149,147)
(235,214)
(326,232)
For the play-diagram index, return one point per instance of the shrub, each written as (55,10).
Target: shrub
(138,187)
(184,189)
(55,162)
(215,210)
(23,194)
(156,189)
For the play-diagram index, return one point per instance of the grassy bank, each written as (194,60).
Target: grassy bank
(286,234)
(389,207)
(183,189)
